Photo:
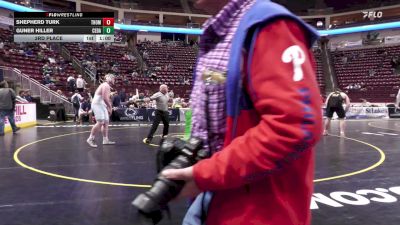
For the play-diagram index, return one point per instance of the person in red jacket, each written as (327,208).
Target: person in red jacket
(262,168)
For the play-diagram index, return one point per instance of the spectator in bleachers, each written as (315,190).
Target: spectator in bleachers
(29,53)
(6,56)
(85,111)
(349,87)
(116,100)
(81,46)
(71,84)
(93,67)
(80,83)
(177,102)
(21,97)
(186,81)
(43,46)
(357,86)
(171,94)
(365,103)
(46,69)
(126,81)
(76,103)
(371,72)
(28,96)
(397,103)
(344,59)
(145,55)
(115,68)
(129,56)
(170,67)
(40,55)
(395,63)
(153,75)
(141,96)
(47,80)
(122,95)
(52,60)
(61,93)
(135,74)
(1,45)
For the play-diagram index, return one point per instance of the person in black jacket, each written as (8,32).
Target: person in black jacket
(7,107)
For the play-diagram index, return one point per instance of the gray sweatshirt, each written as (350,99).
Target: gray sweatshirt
(161,101)
(7,98)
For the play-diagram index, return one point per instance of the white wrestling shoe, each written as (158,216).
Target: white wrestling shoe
(91,142)
(108,142)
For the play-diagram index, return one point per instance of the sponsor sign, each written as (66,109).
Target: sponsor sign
(131,114)
(365,113)
(358,198)
(25,114)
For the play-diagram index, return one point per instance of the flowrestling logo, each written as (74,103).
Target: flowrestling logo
(361,197)
(372,15)
(133,114)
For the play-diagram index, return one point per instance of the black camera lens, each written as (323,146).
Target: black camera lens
(174,154)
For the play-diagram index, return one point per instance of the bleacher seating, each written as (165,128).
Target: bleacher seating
(319,71)
(181,57)
(111,54)
(380,87)
(32,65)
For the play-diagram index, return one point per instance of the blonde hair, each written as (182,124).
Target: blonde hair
(109,78)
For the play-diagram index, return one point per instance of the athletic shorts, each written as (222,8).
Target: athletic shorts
(338,110)
(100,112)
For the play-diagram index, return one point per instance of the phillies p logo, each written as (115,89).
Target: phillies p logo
(295,55)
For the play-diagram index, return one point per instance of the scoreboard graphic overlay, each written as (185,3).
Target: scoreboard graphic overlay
(64,27)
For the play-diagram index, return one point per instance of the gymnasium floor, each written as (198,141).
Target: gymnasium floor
(49,176)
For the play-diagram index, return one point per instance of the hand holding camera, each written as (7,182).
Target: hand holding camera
(174,162)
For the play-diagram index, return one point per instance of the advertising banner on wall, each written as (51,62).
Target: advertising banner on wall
(131,114)
(25,116)
(365,113)
(392,39)
(173,114)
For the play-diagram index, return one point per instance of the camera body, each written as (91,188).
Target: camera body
(173,154)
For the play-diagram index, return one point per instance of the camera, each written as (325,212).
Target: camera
(173,154)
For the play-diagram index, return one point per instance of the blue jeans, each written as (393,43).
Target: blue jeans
(10,115)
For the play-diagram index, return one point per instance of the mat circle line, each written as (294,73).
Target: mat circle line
(22,164)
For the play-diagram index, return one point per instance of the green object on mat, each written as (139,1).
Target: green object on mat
(188,124)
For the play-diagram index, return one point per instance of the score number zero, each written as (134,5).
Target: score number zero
(105,30)
(108,26)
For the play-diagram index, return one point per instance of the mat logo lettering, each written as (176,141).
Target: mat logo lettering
(360,197)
